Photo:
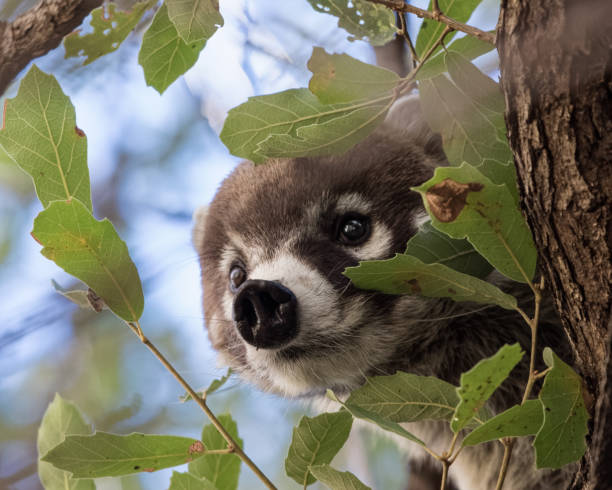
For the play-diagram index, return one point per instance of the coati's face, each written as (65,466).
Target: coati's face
(273,246)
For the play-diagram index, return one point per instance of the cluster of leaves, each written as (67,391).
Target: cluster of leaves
(475,226)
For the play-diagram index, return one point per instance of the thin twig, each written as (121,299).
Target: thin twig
(404,32)
(533,325)
(400,6)
(445,465)
(508,445)
(232,445)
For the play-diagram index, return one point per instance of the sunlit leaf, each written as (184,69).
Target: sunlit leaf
(405,274)
(40,134)
(465,204)
(337,480)
(195,20)
(561,439)
(362,19)
(187,481)
(222,470)
(520,420)
(164,56)
(316,441)
(110,28)
(430,245)
(478,384)
(61,418)
(104,454)
(92,251)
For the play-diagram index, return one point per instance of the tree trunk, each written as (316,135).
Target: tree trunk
(556,64)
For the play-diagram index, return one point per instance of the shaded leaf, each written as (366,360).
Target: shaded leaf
(362,19)
(432,246)
(337,480)
(520,420)
(316,441)
(478,384)
(222,470)
(194,20)
(92,251)
(404,274)
(465,204)
(338,78)
(40,134)
(164,56)
(110,28)
(61,418)
(187,481)
(103,454)
(561,439)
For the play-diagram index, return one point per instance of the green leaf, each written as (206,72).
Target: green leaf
(388,425)
(294,123)
(84,298)
(478,384)
(337,480)
(561,438)
(40,134)
(405,397)
(469,47)
(338,78)
(164,56)
(465,204)
(520,420)
(104,454)
(61,418)
(432,246)
(404,274)
(195,20)
(222,470)
(362,19)
(92,251)
(431,30)
(316,441)
(214,386)
(187,481)
(110,28)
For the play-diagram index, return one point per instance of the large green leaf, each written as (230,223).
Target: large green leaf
(520,420)
(92,251)
(195,20)
(103,454)
(40,134)
(338,78)
(61,418)
(560,440)
(337,480)
(405,397)
(432,246)
(164,56)
(295,123)
(478,384)
(110,28)
(431,30)
(404,274)
(187,481)
(362,19)
(222,470)
(316,441)
(465,204)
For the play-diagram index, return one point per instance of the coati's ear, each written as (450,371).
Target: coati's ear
(407,117)
(199,223)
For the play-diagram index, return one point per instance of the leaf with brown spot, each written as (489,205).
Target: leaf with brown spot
(447,198)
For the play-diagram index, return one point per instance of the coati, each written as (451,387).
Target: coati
(273,245)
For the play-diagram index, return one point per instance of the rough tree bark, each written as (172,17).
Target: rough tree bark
(36,32)
(556,64)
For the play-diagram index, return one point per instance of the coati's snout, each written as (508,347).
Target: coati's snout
(264,313)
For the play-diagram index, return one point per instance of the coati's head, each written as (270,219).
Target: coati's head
(275,241)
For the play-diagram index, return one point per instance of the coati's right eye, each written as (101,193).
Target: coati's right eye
(237,276)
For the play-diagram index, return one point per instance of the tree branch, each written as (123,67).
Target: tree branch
(401,6)
(38,31)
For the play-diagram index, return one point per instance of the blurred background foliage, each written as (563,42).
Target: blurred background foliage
(153,159)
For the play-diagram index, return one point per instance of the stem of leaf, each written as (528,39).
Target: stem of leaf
(232,445)
(508,445)
(445,465)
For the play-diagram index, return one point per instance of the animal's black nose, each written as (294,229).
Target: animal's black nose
(265,313)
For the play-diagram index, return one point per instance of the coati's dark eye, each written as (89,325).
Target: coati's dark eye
(237,276)
(353,229)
